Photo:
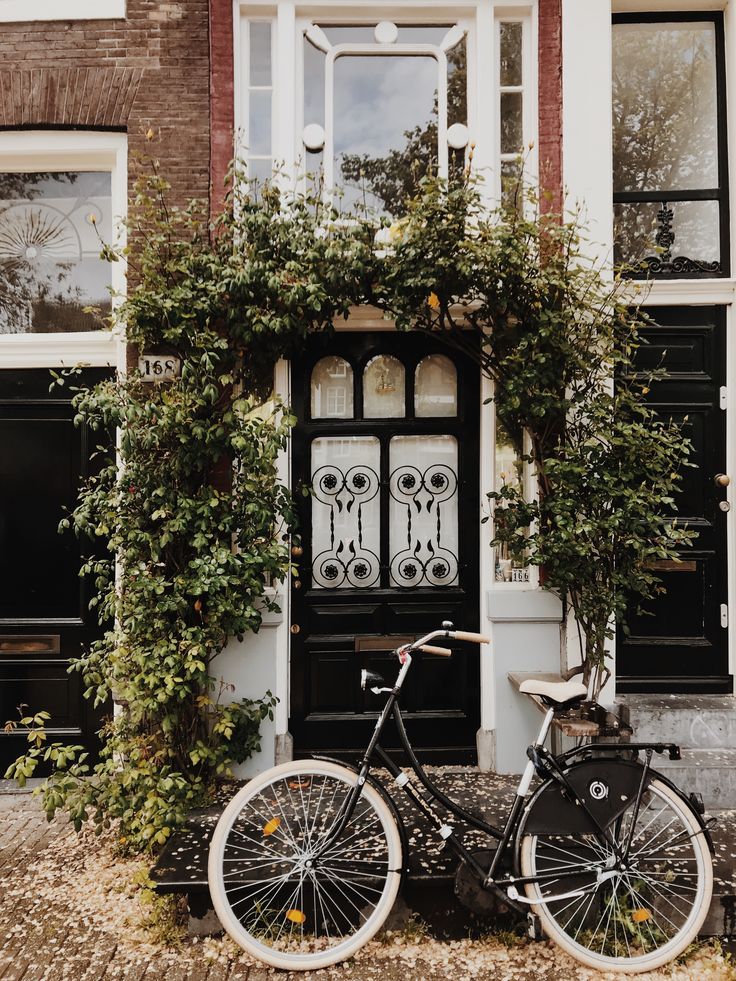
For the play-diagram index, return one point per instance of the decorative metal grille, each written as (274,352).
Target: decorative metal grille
(422,493)
(347,561)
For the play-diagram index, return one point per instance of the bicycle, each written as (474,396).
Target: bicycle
(607,856)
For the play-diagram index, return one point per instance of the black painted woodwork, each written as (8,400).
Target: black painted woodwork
(44,616)
(682,647)
(342,631)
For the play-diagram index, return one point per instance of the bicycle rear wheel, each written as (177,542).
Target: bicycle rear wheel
(284,895)
(628,919)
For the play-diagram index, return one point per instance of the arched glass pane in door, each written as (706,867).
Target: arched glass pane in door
(332,389)
(435,387)
(384,385)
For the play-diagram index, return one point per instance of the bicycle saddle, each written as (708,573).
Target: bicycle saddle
(555,691)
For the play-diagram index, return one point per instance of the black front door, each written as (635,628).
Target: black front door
(385,466)
(683,645)
(44,615)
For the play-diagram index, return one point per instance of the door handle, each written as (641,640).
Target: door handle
(721,480)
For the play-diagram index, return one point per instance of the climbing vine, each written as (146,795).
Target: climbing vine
(186,507)
(558,336)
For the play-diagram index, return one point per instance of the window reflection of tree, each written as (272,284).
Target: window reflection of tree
(37,293)
(665,133)
(395,177)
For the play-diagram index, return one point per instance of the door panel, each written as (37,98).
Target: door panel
(386,448)
(681,646)
(44,615)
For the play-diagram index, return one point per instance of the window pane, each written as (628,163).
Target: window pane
(52,226)
(332,389)
(423,529)
(512,187)
(314,84)
(512,132)
(693,231)
(435,387)
(408,33)
(664,106)
(258,138)
(260,169)
(383,388)
(457,85)
(511,53)
(260,53)
(508,468)
(384,128)
(345,512)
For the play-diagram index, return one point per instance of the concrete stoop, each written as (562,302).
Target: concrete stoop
(431,886)
(704,726)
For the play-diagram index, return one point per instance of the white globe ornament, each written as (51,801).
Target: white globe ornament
(457,136)
(386,32)
(313,137)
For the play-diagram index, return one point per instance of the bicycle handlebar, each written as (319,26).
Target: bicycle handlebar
(422,643)
(441,651)
(473,638)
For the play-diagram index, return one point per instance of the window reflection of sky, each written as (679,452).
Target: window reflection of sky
(377,99)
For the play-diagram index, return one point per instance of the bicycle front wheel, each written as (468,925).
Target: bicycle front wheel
(282,887)
(629,918)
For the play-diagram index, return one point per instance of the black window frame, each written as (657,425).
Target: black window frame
(665,265)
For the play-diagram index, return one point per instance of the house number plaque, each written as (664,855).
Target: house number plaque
(159,367)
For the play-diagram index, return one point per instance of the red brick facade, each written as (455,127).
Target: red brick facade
(222,81)
(550,103)
(150,70)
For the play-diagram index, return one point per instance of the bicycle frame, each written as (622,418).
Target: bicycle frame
(540,761)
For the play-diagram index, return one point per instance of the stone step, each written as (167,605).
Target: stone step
(708,772)
(691,721)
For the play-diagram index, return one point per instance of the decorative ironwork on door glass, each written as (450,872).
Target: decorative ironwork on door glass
(423,514)
(345,512)
(408,481)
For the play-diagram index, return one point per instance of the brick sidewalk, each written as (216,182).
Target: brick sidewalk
(69,911)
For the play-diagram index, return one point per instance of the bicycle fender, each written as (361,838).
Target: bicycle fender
(388,800)
(607,788)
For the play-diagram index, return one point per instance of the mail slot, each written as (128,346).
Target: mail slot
(11,644)
(672,565)
(386,644)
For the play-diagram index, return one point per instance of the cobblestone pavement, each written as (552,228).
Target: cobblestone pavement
(71,911)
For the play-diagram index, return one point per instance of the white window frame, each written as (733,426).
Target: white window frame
(480,19)
(528,90)
(18,11)
(30,151)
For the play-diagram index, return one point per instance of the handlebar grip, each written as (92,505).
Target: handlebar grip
(441,651)
(473,638)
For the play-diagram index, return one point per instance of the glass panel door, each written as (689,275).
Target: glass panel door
(385,463)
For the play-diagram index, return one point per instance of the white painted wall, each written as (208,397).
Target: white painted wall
(252,668)
(525,637)
(587,118)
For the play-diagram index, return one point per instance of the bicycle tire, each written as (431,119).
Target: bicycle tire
(273,825)
(664,894)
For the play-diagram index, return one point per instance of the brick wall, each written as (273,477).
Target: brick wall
(149,70)
(550,102)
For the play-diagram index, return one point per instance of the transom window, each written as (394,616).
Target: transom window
(52,226)
(384,104)
(669,144)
